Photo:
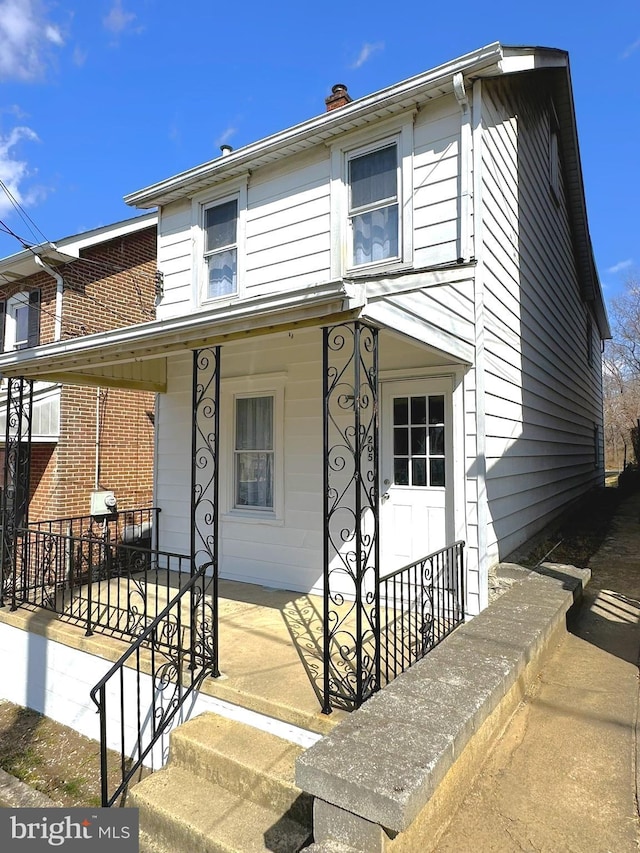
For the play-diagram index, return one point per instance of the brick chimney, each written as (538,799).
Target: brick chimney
(339,97)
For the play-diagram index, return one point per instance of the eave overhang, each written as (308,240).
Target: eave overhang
(134,357)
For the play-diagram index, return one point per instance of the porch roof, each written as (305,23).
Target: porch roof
(134,357)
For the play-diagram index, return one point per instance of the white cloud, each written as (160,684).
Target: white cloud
(226,135)
(630,49)
(26,37)
(118,20)
(367,52)
(620,266)
(13,171)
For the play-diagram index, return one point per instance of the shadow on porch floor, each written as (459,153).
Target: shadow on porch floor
(270,644)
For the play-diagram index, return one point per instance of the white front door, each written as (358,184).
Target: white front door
(416,470)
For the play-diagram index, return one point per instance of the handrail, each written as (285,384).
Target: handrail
(194,650)
(420,604)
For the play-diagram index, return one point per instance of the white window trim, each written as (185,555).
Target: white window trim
(356,144)
(236,191)
(18,300)
(271,384)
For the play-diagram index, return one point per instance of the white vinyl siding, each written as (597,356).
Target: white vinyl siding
(436,202)
(175,259)
(288,226)
(541,399)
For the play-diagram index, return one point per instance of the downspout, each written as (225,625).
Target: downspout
(96,479)
(465,165)
(57,328)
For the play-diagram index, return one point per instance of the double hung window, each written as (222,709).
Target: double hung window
(374,205)
(254,453)
(221,248)
(20,321)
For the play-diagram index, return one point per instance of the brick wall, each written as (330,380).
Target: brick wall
(112,285)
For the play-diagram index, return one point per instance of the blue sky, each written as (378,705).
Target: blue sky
(99,98)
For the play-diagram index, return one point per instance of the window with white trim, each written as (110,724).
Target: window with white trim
(374,221)
(252,449)
(20,321)
(220,227)
(254,452)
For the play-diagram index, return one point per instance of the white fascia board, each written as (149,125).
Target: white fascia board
(153,337)
(105,233)
(330,123)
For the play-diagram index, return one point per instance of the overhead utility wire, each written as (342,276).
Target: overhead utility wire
(22,213)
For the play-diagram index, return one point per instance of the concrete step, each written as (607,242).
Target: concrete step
(180,813)
(227,788)
(246,761)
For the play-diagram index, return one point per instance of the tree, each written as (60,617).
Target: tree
(621,378)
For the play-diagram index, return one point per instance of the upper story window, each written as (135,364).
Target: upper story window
(20,321)
(372,198)
(219,226)
(221,248)
(373,205)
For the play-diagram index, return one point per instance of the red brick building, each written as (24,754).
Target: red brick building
(84,438)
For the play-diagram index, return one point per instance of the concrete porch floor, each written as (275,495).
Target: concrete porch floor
(270,650)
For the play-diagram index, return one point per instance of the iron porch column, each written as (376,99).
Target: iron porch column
(351,653)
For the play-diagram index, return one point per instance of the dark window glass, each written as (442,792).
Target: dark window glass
(436,410)
(418,441)
(400,411)
(401,441)
(419,472)
(220,225)
(436,469)
(373,177)
(401,472)
(436,441)
(418,410)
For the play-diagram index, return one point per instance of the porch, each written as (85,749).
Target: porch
(286,654)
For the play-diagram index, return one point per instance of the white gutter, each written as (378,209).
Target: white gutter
(57,327)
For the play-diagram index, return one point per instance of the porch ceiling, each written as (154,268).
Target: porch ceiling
(135,357)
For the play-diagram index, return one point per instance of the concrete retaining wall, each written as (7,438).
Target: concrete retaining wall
(389,777)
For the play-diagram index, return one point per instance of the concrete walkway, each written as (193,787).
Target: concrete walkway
(563,778)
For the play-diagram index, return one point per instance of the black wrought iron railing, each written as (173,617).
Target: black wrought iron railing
(96,582)
(420,604)
(132,526)
(141,695)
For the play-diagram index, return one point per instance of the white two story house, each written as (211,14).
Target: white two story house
(378,333)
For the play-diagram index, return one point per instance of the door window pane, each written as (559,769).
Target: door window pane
(436,409)
(437,472)
(401,411)
(418,449)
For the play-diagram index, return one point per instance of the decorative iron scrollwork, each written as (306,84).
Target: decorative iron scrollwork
(351,521)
